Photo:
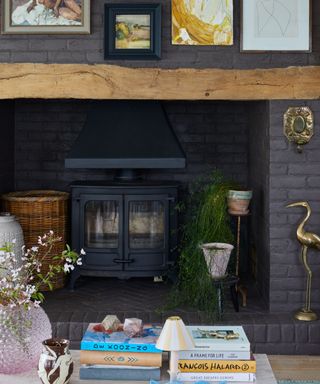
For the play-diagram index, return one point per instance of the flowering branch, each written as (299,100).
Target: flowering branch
(21,280)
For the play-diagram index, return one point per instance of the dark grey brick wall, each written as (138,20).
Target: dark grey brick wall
(213,135)
(259,182)
(293,177)
(89,48)
(7,146)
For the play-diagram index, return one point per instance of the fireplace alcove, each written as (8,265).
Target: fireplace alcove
(242,138)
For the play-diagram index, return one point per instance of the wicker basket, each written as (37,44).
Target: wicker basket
(40,211)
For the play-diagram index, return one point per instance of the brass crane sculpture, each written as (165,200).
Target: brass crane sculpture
(307,239)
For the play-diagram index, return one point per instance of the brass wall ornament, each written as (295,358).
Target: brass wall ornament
(307,240)
(298,125)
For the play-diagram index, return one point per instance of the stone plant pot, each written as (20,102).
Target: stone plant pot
(238,202)
(217,257)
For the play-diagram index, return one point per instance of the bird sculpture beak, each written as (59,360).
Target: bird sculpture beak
(297,204)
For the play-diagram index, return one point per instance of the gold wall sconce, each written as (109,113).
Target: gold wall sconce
(298,125)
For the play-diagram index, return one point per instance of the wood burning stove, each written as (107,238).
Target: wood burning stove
(128,229)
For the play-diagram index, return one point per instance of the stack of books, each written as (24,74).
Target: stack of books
(115,356)
(221,353)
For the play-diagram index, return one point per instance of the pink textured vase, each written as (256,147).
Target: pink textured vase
(17,357)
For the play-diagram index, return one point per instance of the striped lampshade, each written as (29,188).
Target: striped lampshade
(174,336)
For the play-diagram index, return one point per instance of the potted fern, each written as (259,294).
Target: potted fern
(206,221)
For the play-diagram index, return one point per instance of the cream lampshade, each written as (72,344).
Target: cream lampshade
(174,337)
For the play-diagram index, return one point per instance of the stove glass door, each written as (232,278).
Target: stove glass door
(146,224)
(102,224)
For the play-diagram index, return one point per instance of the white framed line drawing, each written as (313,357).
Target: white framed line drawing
(276,25)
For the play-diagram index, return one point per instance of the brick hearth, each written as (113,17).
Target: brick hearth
(71,312)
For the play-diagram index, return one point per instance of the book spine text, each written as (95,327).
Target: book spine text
(248,377)
(223,366)
(118,347)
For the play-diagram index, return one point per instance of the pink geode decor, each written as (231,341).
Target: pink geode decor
(133,327)
(16,357)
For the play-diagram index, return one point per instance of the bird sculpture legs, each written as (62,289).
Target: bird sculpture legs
(306,313)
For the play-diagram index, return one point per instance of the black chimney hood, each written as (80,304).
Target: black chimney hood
(126,135)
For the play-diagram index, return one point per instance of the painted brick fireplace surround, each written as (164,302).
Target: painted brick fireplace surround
(243,139)
(225,113)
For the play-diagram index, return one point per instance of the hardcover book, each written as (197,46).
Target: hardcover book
(121,358)
(219,338)
(94,340)
(108,373)
(196,376)
(200,354)
(224,366)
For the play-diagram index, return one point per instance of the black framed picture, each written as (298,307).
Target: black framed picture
(132,31)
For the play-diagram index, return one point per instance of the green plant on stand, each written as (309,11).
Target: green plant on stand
(206,221)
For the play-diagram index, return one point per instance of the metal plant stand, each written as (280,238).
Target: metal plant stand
(240,288)
(220,284)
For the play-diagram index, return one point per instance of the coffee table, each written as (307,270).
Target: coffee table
(264,374)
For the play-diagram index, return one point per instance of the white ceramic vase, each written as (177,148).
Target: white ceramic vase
(10,229)
(217,257)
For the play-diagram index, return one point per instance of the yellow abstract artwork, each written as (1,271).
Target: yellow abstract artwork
(202,22)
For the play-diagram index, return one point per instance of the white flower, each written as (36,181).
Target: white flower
(68,260)
(34,249)
(82,252)
(37,303)
(51,232)
(79,261)
(66,267)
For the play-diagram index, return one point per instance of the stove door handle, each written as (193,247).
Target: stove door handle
(121,261)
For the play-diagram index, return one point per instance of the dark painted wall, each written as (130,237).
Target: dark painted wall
(293,177)
(7,146)
(259,163)
(244,140)
(89,48)
(213,135)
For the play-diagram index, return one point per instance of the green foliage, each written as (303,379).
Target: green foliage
(206,221)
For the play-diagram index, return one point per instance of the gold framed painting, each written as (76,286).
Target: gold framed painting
(202,22)
(45,16)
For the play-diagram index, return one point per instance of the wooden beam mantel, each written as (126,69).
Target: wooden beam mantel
(83,81)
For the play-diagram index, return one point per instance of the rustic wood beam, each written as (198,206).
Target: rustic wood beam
(83,81)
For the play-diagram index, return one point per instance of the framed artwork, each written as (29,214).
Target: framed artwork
(132,31)
(202,22)
(46,16)
(276,25)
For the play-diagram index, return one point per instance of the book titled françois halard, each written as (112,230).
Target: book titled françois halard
(96,340)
